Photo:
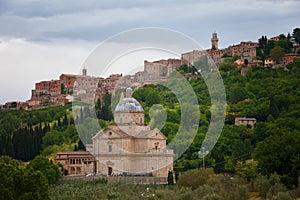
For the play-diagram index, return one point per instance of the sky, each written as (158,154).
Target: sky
(41,39)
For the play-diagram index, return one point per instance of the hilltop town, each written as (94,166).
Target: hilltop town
(71,87)
(131,140)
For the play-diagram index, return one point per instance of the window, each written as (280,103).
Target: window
(141,120)
(109,148)
(110,133)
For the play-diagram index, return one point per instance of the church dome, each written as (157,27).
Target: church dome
(128,103)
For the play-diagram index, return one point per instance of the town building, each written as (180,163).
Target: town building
(244,121)
(56,92)
(288,58)
(269,62)
(275,38)
(245,50)
(283,60)
(190,58)
(107,85)
(14,105)
(161,68)
(130,147)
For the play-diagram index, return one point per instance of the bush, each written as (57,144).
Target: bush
(282,196)
(212,197)
(262,186)
(195,178)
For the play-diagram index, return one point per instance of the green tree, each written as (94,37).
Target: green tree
(170,178)
(285,44)
(276,53)
(237,94)
(62,89)
(18,182)
(247,169)
(226,67)
(106,112)
(296,34)
(50,170)
(65,121)
(152,97)
(275,153)
(98,108)
(53,137)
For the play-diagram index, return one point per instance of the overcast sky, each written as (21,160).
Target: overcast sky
(40,39)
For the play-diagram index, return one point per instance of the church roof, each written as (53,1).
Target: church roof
(117,130)
(150,134)
(113,128)
(128,104)
(145,134)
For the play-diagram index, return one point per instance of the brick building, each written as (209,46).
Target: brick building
(56,91)
(288,58)
(77,162)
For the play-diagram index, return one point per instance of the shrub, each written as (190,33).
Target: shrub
(195,178)
(212,197)
(282,196)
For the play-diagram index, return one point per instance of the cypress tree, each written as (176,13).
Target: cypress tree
(59,123)
(80,145)
(170,178)
(65,120)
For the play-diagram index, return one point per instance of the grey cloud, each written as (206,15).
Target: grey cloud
(97,20)
(48,8)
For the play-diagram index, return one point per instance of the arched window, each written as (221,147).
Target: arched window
(78,170)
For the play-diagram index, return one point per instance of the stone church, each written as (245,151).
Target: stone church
(130,147)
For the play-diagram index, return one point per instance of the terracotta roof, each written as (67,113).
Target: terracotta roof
(291,54)
(74,153)
(244,118)
(147,134)
(73,75)
(117,130)
(113,128)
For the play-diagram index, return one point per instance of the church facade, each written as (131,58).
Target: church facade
(130,147)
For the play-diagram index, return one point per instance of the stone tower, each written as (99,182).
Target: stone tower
(84,72)
(214,41)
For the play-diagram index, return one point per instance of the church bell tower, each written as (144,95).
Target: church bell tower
(214,41)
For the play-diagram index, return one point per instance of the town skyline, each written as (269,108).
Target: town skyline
(155,58)
(40,40)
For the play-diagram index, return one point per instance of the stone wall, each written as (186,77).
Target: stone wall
(124,179)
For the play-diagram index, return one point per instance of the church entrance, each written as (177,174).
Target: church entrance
(109,171)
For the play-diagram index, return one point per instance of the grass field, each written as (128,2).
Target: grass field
(93,189)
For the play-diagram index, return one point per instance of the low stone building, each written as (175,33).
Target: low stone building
(244,121)
(77,162)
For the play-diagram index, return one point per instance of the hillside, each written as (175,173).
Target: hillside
(270,95)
